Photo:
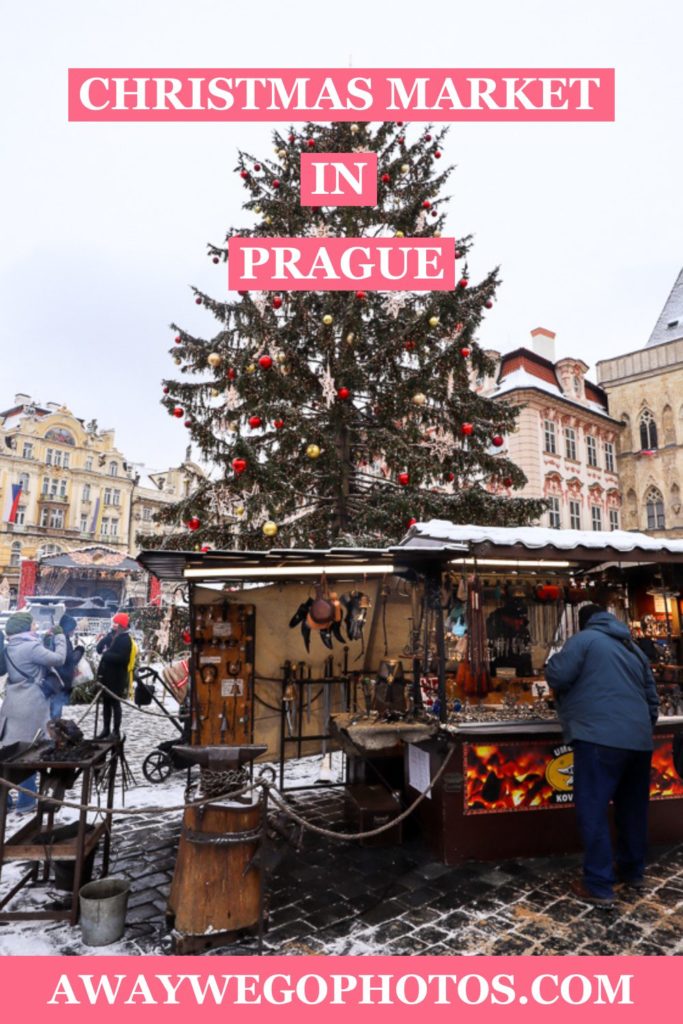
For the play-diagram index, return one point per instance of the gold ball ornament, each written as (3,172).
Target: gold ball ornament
(215,392)
(313,451)
(214,359)
(434,321)
(281,358)
(239,511)
(405,168)
(177,360)
(419,398)
(270,528)
(400,234)
(251,368)
(328,319)
(355,129)
(282,153)
(350,338)
(267,220)
(437,234)
(257,209)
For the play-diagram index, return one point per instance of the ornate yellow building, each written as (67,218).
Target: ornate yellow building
(645,390)
(65,485)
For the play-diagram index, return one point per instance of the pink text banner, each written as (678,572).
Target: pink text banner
(341,264)
(341,94)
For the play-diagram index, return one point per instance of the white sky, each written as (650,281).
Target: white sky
(104,226)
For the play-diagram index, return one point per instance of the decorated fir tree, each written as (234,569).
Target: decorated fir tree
(339,418)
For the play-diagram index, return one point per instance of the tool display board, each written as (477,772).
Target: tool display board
(223,665)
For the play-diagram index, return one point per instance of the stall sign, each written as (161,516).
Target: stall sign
(539,775)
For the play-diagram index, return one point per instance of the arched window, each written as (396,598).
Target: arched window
(113,469)
(654,504)
(49,549)
(15,555)
(648,431)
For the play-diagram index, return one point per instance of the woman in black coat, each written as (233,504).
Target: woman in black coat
(115,649)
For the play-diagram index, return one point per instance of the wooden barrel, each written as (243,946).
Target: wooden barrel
(210,892)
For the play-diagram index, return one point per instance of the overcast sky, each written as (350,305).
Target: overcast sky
(104,226)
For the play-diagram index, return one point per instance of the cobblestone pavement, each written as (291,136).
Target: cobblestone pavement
(331,898)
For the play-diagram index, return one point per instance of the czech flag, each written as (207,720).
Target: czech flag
(13,503)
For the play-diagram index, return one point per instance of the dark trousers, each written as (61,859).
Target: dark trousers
(603,775)
(110,705)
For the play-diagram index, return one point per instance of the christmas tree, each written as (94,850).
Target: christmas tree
(339,418)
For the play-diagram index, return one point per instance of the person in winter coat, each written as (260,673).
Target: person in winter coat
(607,702)
(31,682)
(115,648)
(67,671)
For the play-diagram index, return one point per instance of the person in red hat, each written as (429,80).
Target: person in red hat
(116,648)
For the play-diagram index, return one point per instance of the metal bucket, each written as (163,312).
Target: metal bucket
(103,910)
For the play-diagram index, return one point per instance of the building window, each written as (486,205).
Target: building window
(27,451)
(553,513)
(104,529)
(23,482)
(15,555)
(65,460)
(53,518)
(116,497)
(549,437)
(84,524)
(575,515)
(113,469)
(614,519)
(114,528)
(648,431)
(596,517)
(609,456)
(86,492)
(21,515)
(88,464)
(570,443)
(591,451)
(654,504)
(107,495)
(49,454)
(147,514)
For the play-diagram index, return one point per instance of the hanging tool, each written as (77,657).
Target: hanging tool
(224,724)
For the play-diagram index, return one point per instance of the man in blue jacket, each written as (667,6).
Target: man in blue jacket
(607,702)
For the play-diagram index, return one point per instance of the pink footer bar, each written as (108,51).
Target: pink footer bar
(373,989)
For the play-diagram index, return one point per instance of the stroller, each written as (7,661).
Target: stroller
(163,760)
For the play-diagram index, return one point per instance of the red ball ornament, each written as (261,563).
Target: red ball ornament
(277,302)
(463,282)
(265,362)
(403,479)
(409,345)
(411,522)
(278,424)
(450,477)
(507,482)
(205,548)
(464,352)
(311,143)
(257,167)
(497,441)
(178,412)
(437,154)
(488,304)
(426,204)
(458,254)
(243,293)
(276,182)
(428,138)
(467,429)
(244,174)
(291,138)
(343,394)
(239,465)
(401,139)
(361,296)
(187,636)
(255,422)
(188,424)
(178,340)
(400,124)
(198,301)
(435,213)
(216,259)
(165,390)
(386,178)
(194,523)
(231,374)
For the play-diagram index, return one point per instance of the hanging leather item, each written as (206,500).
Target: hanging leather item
(321,614)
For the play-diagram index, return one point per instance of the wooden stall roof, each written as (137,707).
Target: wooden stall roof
(291,563)
(539,543)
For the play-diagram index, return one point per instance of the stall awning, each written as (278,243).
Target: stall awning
(524,542)
(294,563)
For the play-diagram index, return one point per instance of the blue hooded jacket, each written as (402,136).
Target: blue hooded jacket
(604,688)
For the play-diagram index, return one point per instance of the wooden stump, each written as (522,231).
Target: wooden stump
(212,890)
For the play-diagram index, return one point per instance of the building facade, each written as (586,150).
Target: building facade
(645,390)
(64,485)
(565,440)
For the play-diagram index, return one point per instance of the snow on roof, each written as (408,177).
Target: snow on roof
(533,537)
(669,326)
(521,378)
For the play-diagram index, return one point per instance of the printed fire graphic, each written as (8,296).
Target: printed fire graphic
(533,776)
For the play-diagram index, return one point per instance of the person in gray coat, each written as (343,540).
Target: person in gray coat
(31,681)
